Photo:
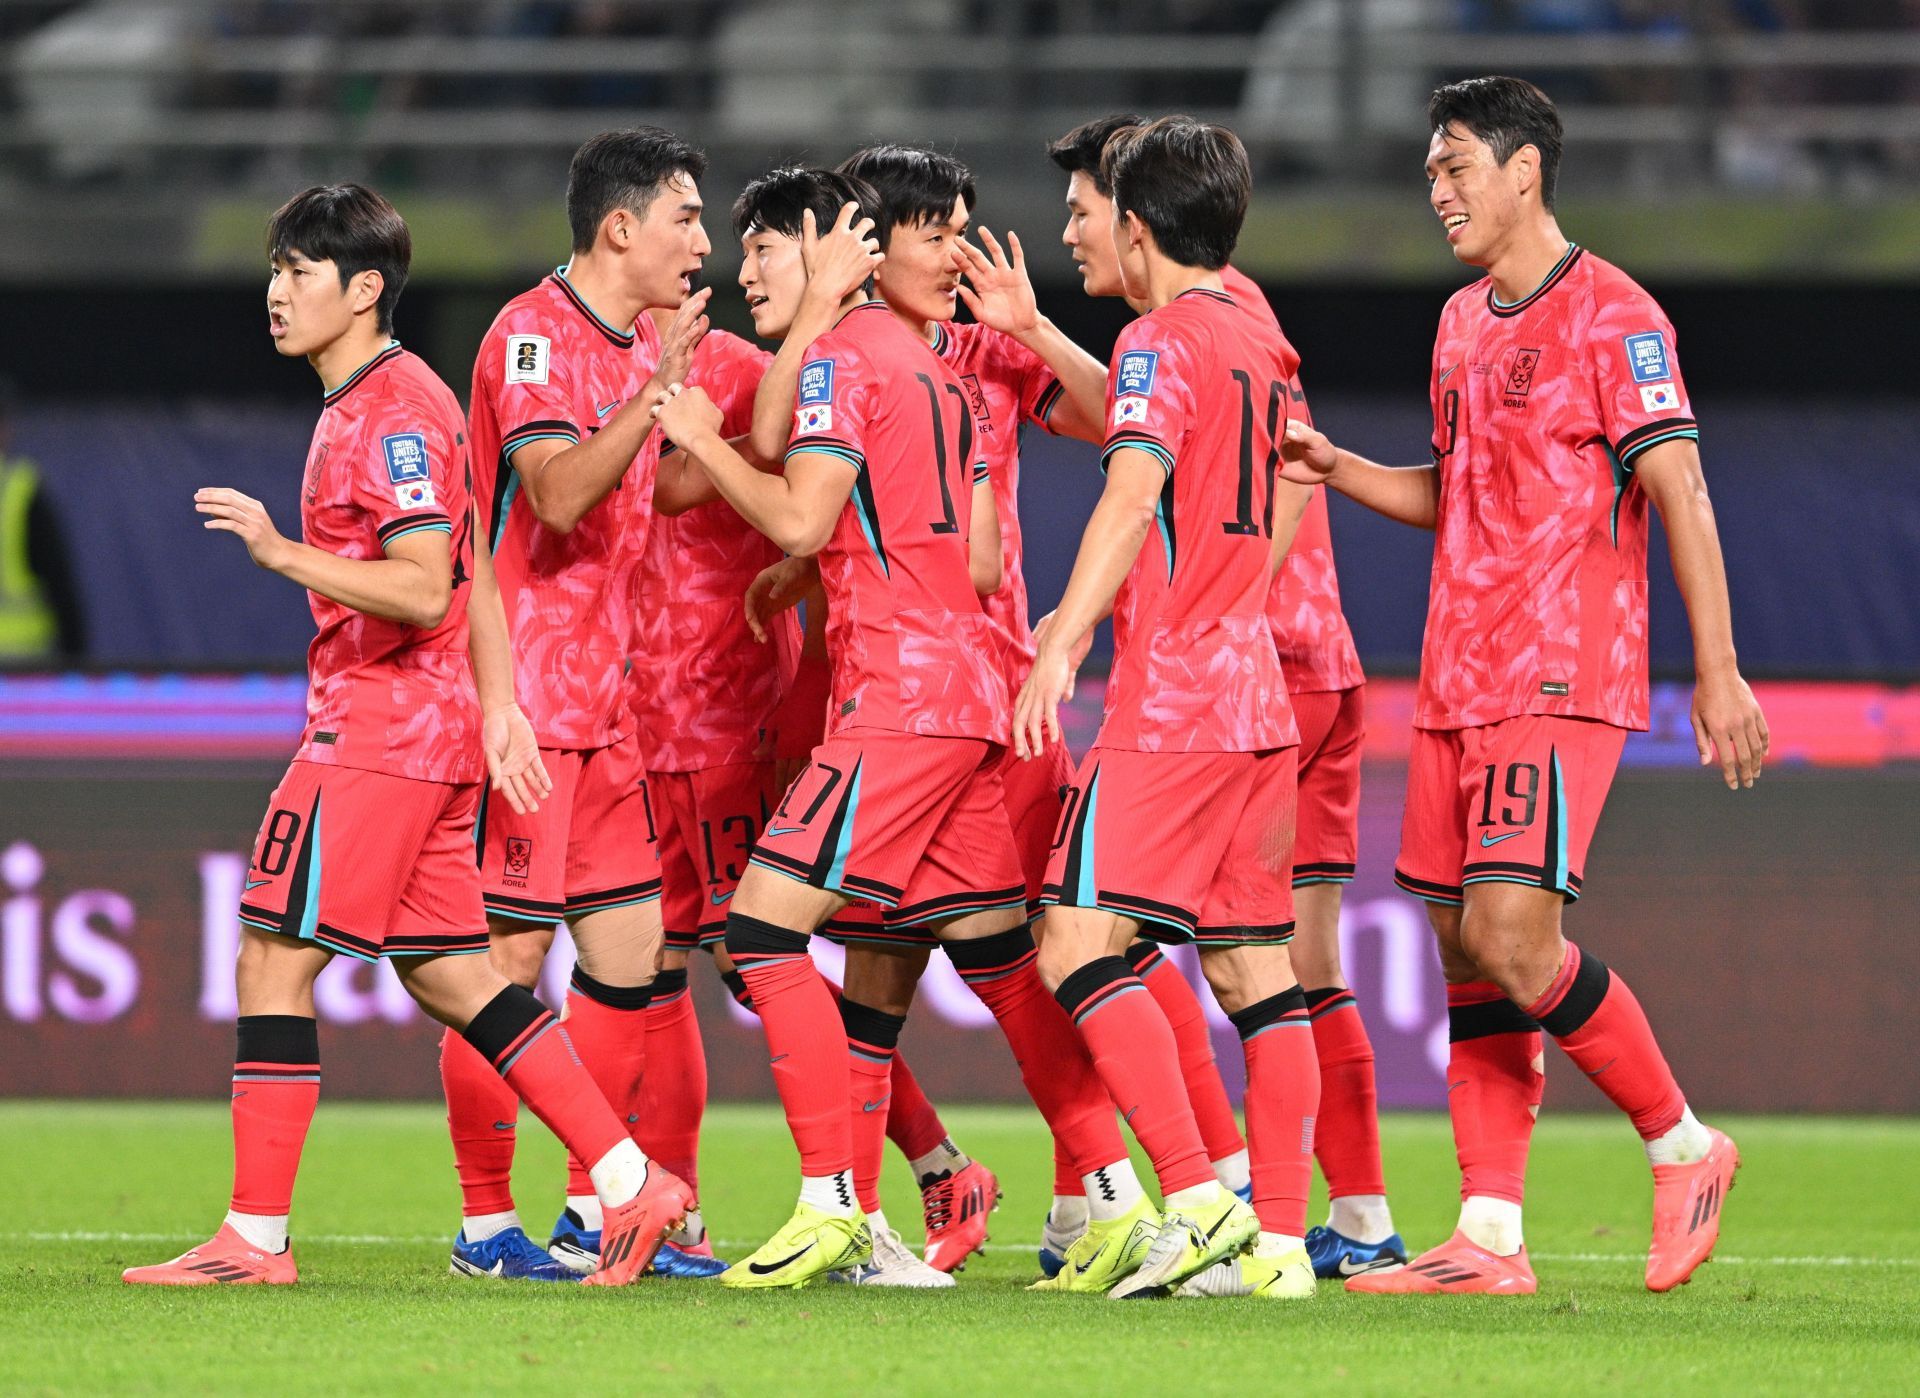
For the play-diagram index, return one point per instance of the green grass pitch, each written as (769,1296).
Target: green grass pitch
(1817,1287)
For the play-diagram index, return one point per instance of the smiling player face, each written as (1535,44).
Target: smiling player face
(1478,200)
(1088,236)
(773,277)
(922,269)
(307,308)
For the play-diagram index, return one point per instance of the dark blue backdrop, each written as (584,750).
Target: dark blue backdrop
(1816,507)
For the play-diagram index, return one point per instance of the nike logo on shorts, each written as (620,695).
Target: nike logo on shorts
(775,831)
(255,883)
(721,899)
(1489,841)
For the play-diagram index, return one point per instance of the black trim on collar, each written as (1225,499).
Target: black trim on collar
(353,380)
(1553,279)
(624,341)
(1207,291)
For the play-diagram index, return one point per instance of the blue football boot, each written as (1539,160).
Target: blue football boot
(510,1253)
(1054,1243)
(578,1247)
(1336,1255)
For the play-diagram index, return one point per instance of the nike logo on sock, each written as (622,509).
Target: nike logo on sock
(762,1269)
(503,1126)
(775,1059)
(632,1117)
(874,1106)
(1489,841)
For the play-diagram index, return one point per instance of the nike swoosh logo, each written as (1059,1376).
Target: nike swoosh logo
(632,1117)
(777,830)
(1447,371)
(1128,1116)
(874,1106)
(719,899)
(1348,1269)
(761,1269)
(609,408)
(776,1058)
(503,1126)
(1489,841)
(255,883)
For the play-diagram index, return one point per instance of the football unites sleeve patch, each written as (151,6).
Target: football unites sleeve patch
(1149,406)
(409,470)
(814,413)
(1642,397)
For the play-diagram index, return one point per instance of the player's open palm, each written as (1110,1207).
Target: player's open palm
(841,259)
(1729,728)
(234,513)
(685,414)
(997,289)
(1306,456)
(776,589)
(682,337)
(514,768)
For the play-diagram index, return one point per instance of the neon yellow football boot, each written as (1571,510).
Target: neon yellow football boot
(808,1245)
(1107,1252)
(1191,1240)
(1288,1277)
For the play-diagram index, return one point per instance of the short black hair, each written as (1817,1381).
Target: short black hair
(915,185)
(1189,182)
(777,201)
(353,228)
(1506,113)
(624,170)
(1078,152)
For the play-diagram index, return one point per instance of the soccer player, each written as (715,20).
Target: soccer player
(1198,735)
(715,709)
(1327,688)
(565,461)
(901,804)
(1558,413)
(367,850)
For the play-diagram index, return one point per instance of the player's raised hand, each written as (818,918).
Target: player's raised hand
(1729,728)
(686,413)
(245,516)
(1036,712)
(1306,456)
(840,259)
(682,337)
(776,589)
(514,768)
(997,289)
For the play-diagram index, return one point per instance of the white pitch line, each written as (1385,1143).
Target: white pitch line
(742,1245)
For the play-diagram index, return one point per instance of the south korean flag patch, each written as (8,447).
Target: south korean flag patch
(1132,408)
(815,413)
(1659,398)
(414,495)
(816,418)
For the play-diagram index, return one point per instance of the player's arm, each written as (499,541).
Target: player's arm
(796,510)
(1114,534)
(563,480)
(413,584)
(681,484)
(983,539)
(1727,723)
(837,263)
(1410,494)
(514,768)
(1001,298)
(1289,508)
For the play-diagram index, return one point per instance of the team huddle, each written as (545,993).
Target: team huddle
(691,644)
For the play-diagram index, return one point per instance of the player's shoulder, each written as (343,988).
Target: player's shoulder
(539,309)
(1610,295)
(722,352)
(1470,299)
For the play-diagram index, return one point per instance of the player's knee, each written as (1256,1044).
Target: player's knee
(519,954)
(275,974)
(1518,957)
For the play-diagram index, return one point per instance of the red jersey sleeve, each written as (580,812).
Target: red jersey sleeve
(533,388)
(403,473)
(1150,403)
(1636,376)
(1038,391)
(737,370)
(833,406)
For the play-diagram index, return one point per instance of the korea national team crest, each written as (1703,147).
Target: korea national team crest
(1137,368)
(519,860)
(1647,357)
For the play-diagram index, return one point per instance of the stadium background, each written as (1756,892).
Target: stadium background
(1756,163)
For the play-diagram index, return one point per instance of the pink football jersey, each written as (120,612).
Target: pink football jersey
(549,369)
(912,649)
(389,459)
(703,688)
(1008,386)
(1538,603)
(1201,386)
(1303,605)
